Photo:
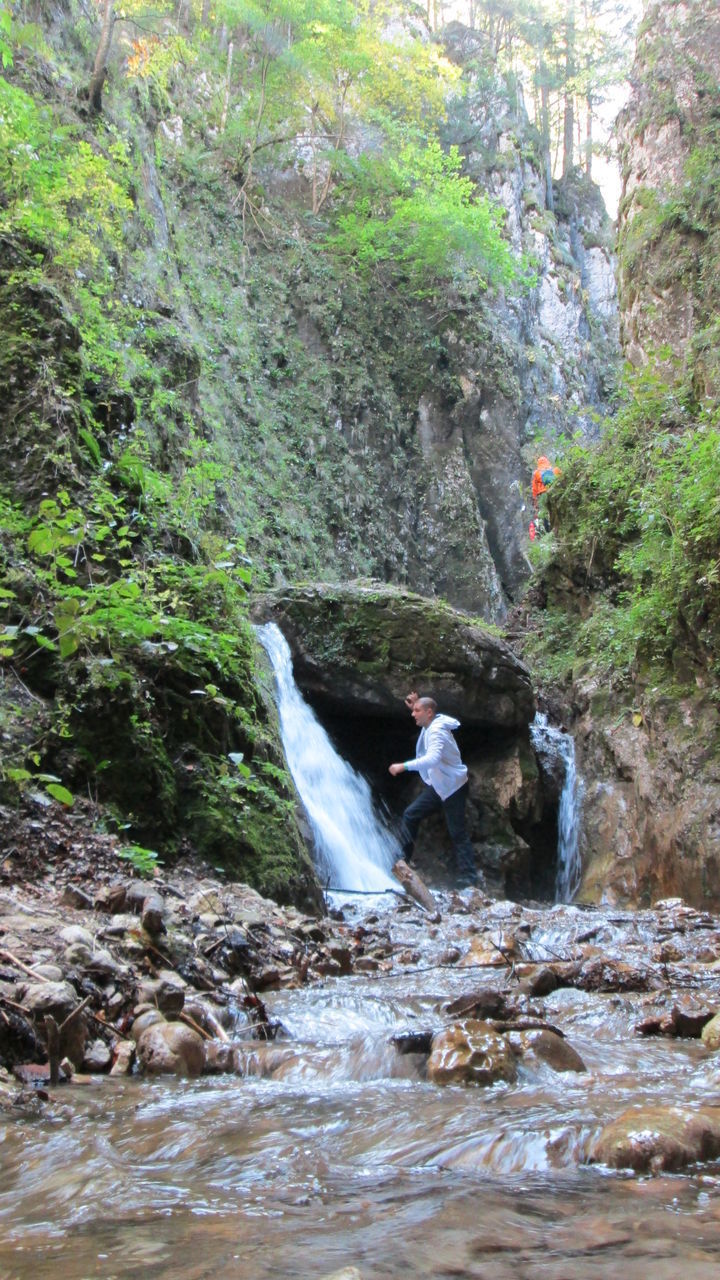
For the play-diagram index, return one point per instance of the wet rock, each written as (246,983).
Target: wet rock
(166,992)
(486,1002)
(204,1017)
(470,1052)
(550,1048)
(656,1139)
(482,951)
(684,1019)
(711,1033)
(149,1018)
(170,1048)
(123,1058)
(97,1056)
(56,998)
(599,974)
(413,1042)
(472,673)
(538,980)
(220,1059)
(341,955)
(347,1273)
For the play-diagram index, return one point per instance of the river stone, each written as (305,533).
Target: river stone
(78,953)
(50,972)
(347,1273)
(710,1035)
(655,1139)
(97,1056)
(551,1049)
(356,648)
(166,992)
(73,933)
(56,998)
(470,1052)
(170,1048)
(149,1018)
(123,1055)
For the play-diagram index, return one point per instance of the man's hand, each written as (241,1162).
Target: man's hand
(395,769)
(411,698)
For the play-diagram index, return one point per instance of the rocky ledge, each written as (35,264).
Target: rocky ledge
(358,649)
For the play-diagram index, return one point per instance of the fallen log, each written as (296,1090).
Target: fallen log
(414,886)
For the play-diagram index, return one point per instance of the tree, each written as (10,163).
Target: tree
(100,66)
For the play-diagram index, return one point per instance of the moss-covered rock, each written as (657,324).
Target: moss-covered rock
(361,648)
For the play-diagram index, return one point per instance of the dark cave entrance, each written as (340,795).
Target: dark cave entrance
(517,849)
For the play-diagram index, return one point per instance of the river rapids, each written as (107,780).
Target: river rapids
(333,1150)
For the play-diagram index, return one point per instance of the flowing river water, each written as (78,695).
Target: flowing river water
(332,1149)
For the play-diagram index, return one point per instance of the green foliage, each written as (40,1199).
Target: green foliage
(637,526)
(416,214)
(144,861)
(58,193)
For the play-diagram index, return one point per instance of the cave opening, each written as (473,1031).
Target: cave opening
(517,845)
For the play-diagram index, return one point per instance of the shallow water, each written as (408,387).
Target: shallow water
(347,1156)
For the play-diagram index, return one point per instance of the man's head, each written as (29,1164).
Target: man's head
(423,711)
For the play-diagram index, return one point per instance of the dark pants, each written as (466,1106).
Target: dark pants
(454,809)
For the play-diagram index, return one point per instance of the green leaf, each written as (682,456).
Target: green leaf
(61,794)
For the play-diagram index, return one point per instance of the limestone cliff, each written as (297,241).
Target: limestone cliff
(669,246)
(648,740)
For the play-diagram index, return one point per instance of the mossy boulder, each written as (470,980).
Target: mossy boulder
(360,648)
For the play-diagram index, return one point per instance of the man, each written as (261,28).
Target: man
(437,760)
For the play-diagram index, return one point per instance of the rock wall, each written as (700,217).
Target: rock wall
(650,761)
(669,245)
(651,810)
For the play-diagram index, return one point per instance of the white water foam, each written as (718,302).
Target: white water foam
(353,848)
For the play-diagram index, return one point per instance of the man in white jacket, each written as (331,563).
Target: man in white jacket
(437,760)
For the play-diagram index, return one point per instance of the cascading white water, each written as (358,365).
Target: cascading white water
(558,745)
(353,847)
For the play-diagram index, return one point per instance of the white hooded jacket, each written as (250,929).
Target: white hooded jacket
(437,758)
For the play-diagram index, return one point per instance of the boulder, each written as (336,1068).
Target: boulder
(657,1139)
(470,1052)
(358,649)
(170,1048)
(552,1049)
(711,1033)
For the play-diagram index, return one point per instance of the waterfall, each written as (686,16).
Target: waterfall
(353,848)
(552,742)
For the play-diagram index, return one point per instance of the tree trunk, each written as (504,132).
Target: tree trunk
(545,128)
(569,112)
(101,57)
(589,138)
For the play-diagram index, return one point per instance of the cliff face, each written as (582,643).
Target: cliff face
(394,439)
(669,243)
(648,745)
(522,371)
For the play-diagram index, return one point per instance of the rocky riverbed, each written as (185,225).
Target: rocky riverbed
(272,1060)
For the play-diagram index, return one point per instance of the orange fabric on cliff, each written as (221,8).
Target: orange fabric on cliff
(538,487)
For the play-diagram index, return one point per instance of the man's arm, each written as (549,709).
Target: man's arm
(432,753)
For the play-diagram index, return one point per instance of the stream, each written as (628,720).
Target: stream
(335,1151)
(330,1147)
